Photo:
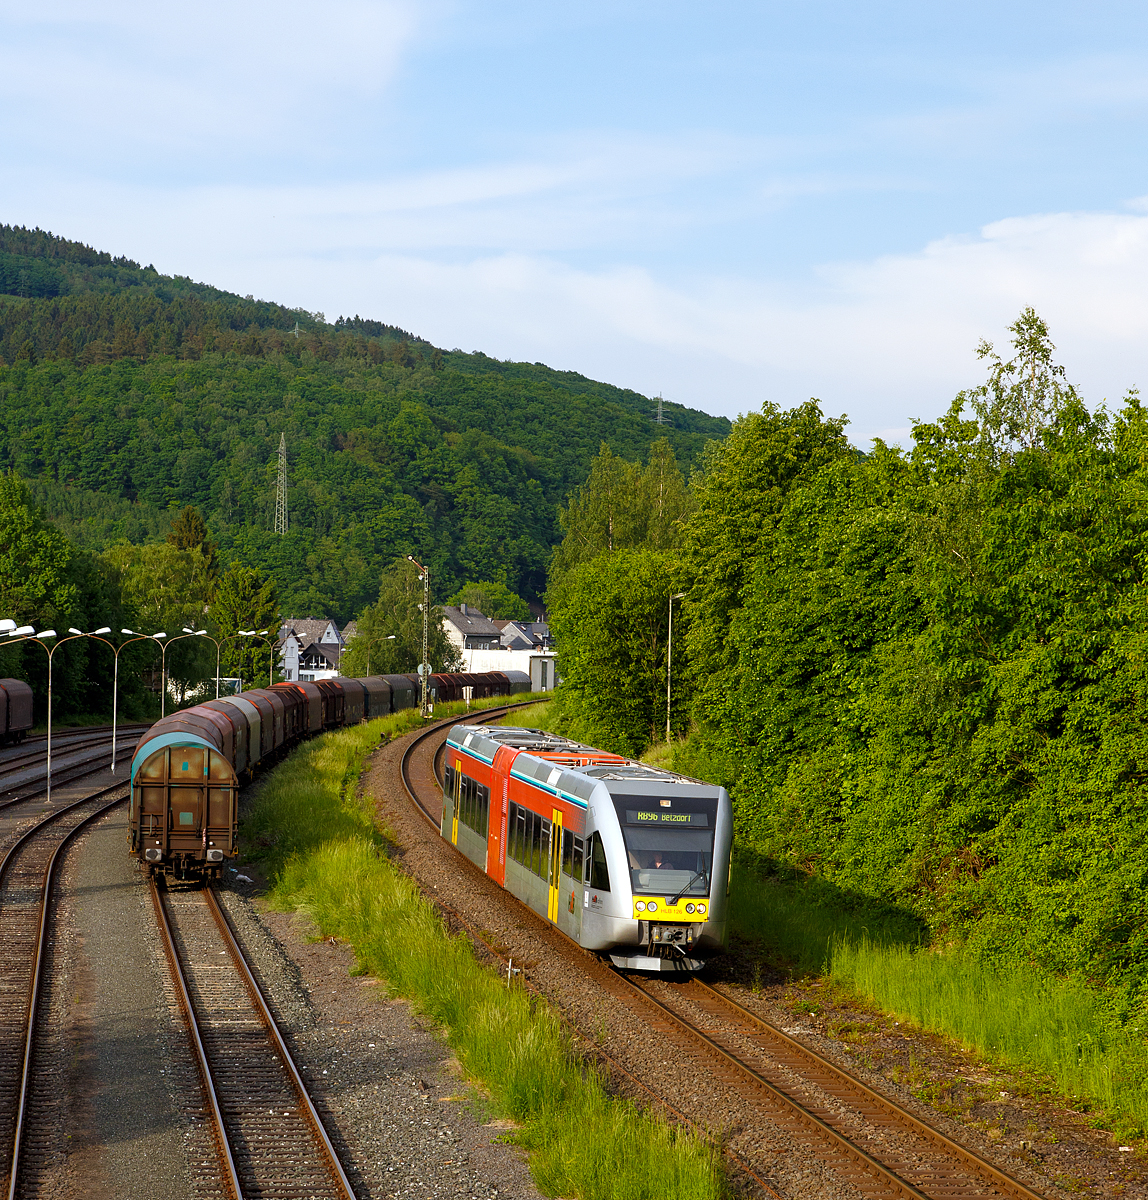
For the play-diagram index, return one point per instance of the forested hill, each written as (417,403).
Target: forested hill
(126,394)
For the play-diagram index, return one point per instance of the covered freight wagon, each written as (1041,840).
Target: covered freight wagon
(15,710)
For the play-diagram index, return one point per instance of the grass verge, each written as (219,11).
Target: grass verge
(325,856)
(1065,1030)
(1019,1015)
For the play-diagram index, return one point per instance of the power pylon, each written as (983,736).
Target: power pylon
(281,490)
(660,419)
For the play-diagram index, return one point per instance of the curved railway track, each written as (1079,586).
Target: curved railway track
(27,878)
(270,1139)
(866,1138)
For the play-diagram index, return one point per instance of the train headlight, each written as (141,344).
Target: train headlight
(640,906)
(652,906)
(701,908)
(689,908)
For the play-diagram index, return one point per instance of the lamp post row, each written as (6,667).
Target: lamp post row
(26,633)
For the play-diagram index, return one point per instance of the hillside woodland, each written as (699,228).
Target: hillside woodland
(126,395)
(923,674)
(140,420)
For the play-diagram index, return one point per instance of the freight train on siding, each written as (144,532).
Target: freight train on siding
(15,710)
(187,768)
(626,859)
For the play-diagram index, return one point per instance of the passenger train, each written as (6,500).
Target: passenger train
(624,858)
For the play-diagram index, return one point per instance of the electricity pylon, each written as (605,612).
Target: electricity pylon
(281,490)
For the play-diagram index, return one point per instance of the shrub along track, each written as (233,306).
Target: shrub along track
(864,1137)
(269,1137)
(28,874)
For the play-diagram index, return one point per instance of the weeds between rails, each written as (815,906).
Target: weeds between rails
(327,859)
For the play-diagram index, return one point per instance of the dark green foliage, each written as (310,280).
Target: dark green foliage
(129,394)
(389,637)
(188,532)
(493,600)
(47,583)
(610,618)
(245,600)
(934,692)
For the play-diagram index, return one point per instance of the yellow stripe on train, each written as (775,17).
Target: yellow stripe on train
(655,908)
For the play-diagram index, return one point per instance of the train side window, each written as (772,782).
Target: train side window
(542,862)
(535,849)
(567,852)
(598,870)
(520,849)
(448,782)
(577,871)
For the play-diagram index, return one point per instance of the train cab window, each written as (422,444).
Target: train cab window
(448,783)
(596,868)
(571,854)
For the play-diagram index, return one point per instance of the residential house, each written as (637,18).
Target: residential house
(468,629)
(486,645)
(310,648)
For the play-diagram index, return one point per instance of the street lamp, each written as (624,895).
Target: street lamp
(389,638)
(204,633)
(135,637)
(262,635)
(22,635)
(670,658)
(163,663)
(424,666)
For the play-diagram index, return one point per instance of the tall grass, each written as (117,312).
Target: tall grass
(329,863)
(802,927)
(1016,1015)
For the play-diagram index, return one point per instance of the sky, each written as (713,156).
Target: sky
(729,204)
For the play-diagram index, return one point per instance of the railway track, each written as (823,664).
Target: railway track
(865,1137)
(32,751)
(25,775)
(270,1139)
(28,873)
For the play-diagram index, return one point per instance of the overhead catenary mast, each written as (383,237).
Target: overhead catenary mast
(281,489)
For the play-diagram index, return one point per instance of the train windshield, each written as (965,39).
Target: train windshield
(668,861)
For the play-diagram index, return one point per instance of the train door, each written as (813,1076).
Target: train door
(188,772)
(570,910)
(499,813)
(555,873)
(456,801)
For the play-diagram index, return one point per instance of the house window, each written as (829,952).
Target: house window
(545,673)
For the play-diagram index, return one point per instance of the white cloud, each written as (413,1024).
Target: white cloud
(885,340)
(114,80)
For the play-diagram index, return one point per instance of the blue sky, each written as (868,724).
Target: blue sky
(728,204)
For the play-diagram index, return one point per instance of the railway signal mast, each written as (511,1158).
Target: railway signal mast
(281,489)
(424,666)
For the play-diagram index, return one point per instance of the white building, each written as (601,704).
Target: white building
(485,645)
(309,649)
